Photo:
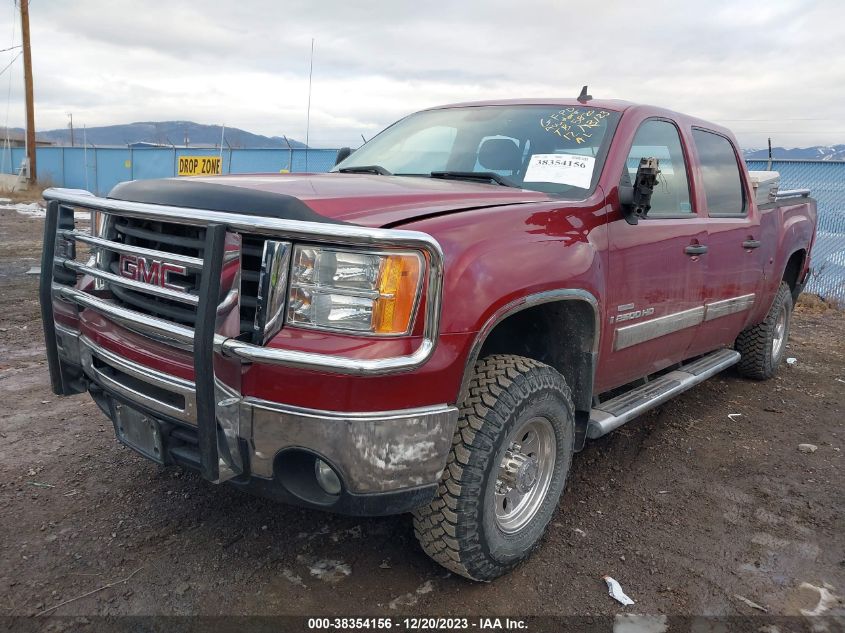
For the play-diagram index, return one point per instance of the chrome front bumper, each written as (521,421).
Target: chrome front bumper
(374,452)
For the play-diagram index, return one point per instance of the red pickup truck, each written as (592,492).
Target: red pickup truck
(438,324)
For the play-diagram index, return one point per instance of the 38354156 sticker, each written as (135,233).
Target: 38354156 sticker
(563,169)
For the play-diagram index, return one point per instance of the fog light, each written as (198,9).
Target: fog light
(327,477)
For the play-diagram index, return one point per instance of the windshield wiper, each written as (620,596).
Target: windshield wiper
(365,169)
(484,176)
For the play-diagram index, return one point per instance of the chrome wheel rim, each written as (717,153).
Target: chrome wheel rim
(779,336)
(525,474)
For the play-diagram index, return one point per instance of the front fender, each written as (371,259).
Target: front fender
(495,257)
(501,262)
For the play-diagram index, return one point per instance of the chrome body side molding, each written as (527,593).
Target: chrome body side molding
(643,331)
(725,307)
(654,328)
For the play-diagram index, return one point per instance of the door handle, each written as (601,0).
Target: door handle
(751,244)
(695,249)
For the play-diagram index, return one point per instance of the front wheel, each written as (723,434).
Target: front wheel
(506,471)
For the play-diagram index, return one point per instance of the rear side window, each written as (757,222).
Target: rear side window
(720,174)
(659,139)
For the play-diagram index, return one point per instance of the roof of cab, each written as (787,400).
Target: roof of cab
(616,105)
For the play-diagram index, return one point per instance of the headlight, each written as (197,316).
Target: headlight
(357,291)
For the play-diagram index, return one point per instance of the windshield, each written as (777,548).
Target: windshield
(552,149)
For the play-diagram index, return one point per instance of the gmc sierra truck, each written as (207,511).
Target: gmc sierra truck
(438,324)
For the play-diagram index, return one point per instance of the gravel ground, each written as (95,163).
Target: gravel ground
(703,506)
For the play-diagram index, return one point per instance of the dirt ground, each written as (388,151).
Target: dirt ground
(695,508)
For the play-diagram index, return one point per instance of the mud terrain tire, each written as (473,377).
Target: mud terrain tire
(466,527)
(763,346)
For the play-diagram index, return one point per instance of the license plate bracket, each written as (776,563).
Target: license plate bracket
(139,432)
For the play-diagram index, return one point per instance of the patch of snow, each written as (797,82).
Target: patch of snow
(26,208)
(292,578)
(327,570)
(411,598)
(826,600)
(352,533)
(35,210)
(312,535)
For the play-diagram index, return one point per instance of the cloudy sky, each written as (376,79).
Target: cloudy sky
(764,68)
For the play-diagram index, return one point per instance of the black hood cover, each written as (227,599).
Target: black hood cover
(216,197)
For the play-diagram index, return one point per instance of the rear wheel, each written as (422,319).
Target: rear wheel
(763,346)
(506,470)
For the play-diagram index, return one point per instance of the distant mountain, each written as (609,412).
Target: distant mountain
(817,152)
(167,133)
(199,135)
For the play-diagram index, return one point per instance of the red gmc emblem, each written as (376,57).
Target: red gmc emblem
(151,271)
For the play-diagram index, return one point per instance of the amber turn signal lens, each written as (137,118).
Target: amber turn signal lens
(398,283)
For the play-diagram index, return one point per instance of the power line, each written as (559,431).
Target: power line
(11,48)
(14,59)
(7,143)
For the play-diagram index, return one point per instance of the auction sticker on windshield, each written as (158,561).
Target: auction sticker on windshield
(562,169)
(200,166)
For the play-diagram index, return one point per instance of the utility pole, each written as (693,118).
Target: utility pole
(30,101)
(70,114)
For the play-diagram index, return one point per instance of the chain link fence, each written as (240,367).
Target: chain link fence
(826,182)
(98,169)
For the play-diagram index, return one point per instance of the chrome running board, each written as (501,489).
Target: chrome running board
(615,412)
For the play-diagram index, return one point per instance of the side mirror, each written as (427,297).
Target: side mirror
(636,199)
(342,154)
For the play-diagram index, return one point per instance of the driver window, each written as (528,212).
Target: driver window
(424,151)
(660,139)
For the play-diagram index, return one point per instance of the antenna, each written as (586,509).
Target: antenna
(222,140)
(290,154)
(308,111)
(584,97)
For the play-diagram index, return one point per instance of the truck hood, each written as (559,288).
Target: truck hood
(364,199)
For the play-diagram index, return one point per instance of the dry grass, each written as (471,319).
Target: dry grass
(814,304)
(32,193)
